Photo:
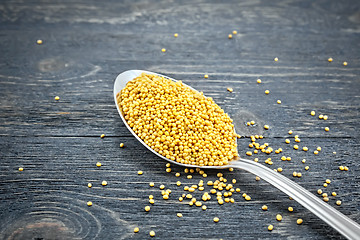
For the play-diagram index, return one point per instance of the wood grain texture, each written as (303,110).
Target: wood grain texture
(87,43)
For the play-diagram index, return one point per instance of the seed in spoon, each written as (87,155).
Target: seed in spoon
(189,128)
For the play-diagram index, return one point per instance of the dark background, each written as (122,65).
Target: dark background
(86,44)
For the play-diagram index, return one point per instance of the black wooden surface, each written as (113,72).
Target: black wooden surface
(87,43)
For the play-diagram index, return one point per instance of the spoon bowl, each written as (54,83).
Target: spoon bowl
(324,211)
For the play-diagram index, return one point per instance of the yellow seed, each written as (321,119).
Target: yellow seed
(39,41)
(307,168)
(287,141)
(89,185)
(324,195)
(325,184)
(177,174)
(151,184)
(294,174)
(249,153)
(267,92)
(338,202)
(270,227)
(296,147)
(305,149)
(162,187)
(178,183)
(121,145)
(234,32)
(189,176)
(151,196)
(152,234)
(345,63)
(264,207)
(102,135)
(98,164)
(163,49)
(298,174)
(147,208)
(247,198)
(151,201)
(21,169)
(283,158)
(191,203)
(330,59)
(57,98)
(288,158)
(191,189)
(230,89)
(303,161)
(341,168)
(278,217)
(252,122)
(176,35)
(168,170)
(104,183)
(316,152)
(231,169)
(278,101)
(256,159)
(319,191)
(136,230)
(326,199)
(327,129)
(326,117)
(140,172)
(312,113)
(257,178)
(321,116)
(299,221)
(204,207)
(266,127)
(179,215)
(318,148)
(230,36)
(258,81)
(89,203)
(165,197)
(276,59)
(290,209)
(346,168)
(181,199)
(290,132)
(279,169)
(328,181)
(216,219)
(237,189)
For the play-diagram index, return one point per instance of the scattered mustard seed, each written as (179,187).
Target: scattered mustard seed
(312,113)
(330,59)
(136,230)
(290,209)
(266,127)
(162,187)
(264,207)
(147,208)
(307,168)
(98,164)
(140,172)
(345,63)
(333,194)
(102,135)
(57,98)
(104,183)
(216,219)
(278,101)
(299,221)
(39,41)
(325,117)
(230,36)
(163,50)
(338,202)
(327,129)
(276,59)
(21,169)
(258,81)
(89,185)
(267,92)
(121,145)
(278,217)
(270,227)
(234,32)
(176,35)
(206,76)
(152,234)
(151,184)
(179,215)
(328,181)
(305,149)
(89,204)
(230,89)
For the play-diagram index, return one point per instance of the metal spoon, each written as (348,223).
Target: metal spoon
(324,211)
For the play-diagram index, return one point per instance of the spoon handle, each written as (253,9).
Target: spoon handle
(324,211)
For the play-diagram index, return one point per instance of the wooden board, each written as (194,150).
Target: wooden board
(87,43)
